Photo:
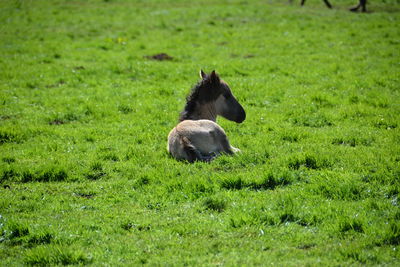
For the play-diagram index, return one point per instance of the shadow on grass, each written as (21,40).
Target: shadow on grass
(269,182)
(47,174)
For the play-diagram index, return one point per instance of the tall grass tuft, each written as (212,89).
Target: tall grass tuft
(56,255)
(214,204)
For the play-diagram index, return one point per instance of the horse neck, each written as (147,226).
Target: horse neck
(202,112)
(207,112)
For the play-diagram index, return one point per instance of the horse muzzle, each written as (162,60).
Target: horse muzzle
(241,116)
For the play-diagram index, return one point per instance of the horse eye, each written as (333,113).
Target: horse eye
(227,96)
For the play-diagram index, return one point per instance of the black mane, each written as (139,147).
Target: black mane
(191,102)
(204,91)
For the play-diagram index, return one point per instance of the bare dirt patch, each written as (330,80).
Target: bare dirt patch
(160,57)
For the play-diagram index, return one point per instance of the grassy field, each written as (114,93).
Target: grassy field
(85,112)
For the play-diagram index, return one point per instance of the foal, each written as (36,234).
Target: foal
(197,136)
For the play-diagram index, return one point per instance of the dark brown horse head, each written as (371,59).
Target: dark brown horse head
(225,102)
(211,97)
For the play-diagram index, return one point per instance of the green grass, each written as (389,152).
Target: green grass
(85,113)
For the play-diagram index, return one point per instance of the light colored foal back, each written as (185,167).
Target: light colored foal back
(198,140)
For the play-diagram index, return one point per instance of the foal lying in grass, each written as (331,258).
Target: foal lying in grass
(197,136)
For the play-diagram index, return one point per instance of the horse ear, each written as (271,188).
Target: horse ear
(214,77)
(203,75)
